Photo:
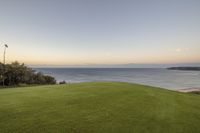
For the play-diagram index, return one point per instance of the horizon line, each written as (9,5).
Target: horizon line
(129,65)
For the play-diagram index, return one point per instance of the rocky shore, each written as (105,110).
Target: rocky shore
(190,90)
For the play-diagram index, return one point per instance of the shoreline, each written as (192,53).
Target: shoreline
(190,90)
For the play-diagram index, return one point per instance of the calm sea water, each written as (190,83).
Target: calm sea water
(170,79)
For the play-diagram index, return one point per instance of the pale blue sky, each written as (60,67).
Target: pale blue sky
(63,32)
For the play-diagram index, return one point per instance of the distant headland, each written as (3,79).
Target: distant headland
(185,68)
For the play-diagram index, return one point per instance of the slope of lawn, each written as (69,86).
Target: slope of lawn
(98,107)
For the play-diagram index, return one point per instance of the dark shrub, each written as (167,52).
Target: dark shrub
(16,73)
(62,82)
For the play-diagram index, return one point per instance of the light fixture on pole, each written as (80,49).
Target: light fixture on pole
(4,54)
(4,60)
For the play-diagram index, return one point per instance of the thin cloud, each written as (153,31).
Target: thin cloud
(182,50)
(178,50)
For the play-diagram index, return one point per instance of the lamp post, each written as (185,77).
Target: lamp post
(4,60)
(4,54)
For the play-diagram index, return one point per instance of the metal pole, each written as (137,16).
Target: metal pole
(4,56)
(4,61)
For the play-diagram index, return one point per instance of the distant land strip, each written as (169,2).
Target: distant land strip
(185,68)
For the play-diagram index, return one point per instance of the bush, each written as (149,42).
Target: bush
(16,73)
(62,82)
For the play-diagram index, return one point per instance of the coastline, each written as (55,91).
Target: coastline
(185,68)
(190,90)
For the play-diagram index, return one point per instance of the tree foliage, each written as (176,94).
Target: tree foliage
(16,73)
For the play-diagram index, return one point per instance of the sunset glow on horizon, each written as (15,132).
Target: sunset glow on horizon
(68,32)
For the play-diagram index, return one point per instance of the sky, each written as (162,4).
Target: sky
(77,32)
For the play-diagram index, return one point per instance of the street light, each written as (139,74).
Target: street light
(4,60)
(4,54)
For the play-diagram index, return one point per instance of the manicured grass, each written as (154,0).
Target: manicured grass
(98,107)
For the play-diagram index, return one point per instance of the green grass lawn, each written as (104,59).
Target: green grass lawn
(98,107)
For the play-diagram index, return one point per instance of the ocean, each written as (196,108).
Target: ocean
(159,77)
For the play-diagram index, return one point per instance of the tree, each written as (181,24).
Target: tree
(16,73)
